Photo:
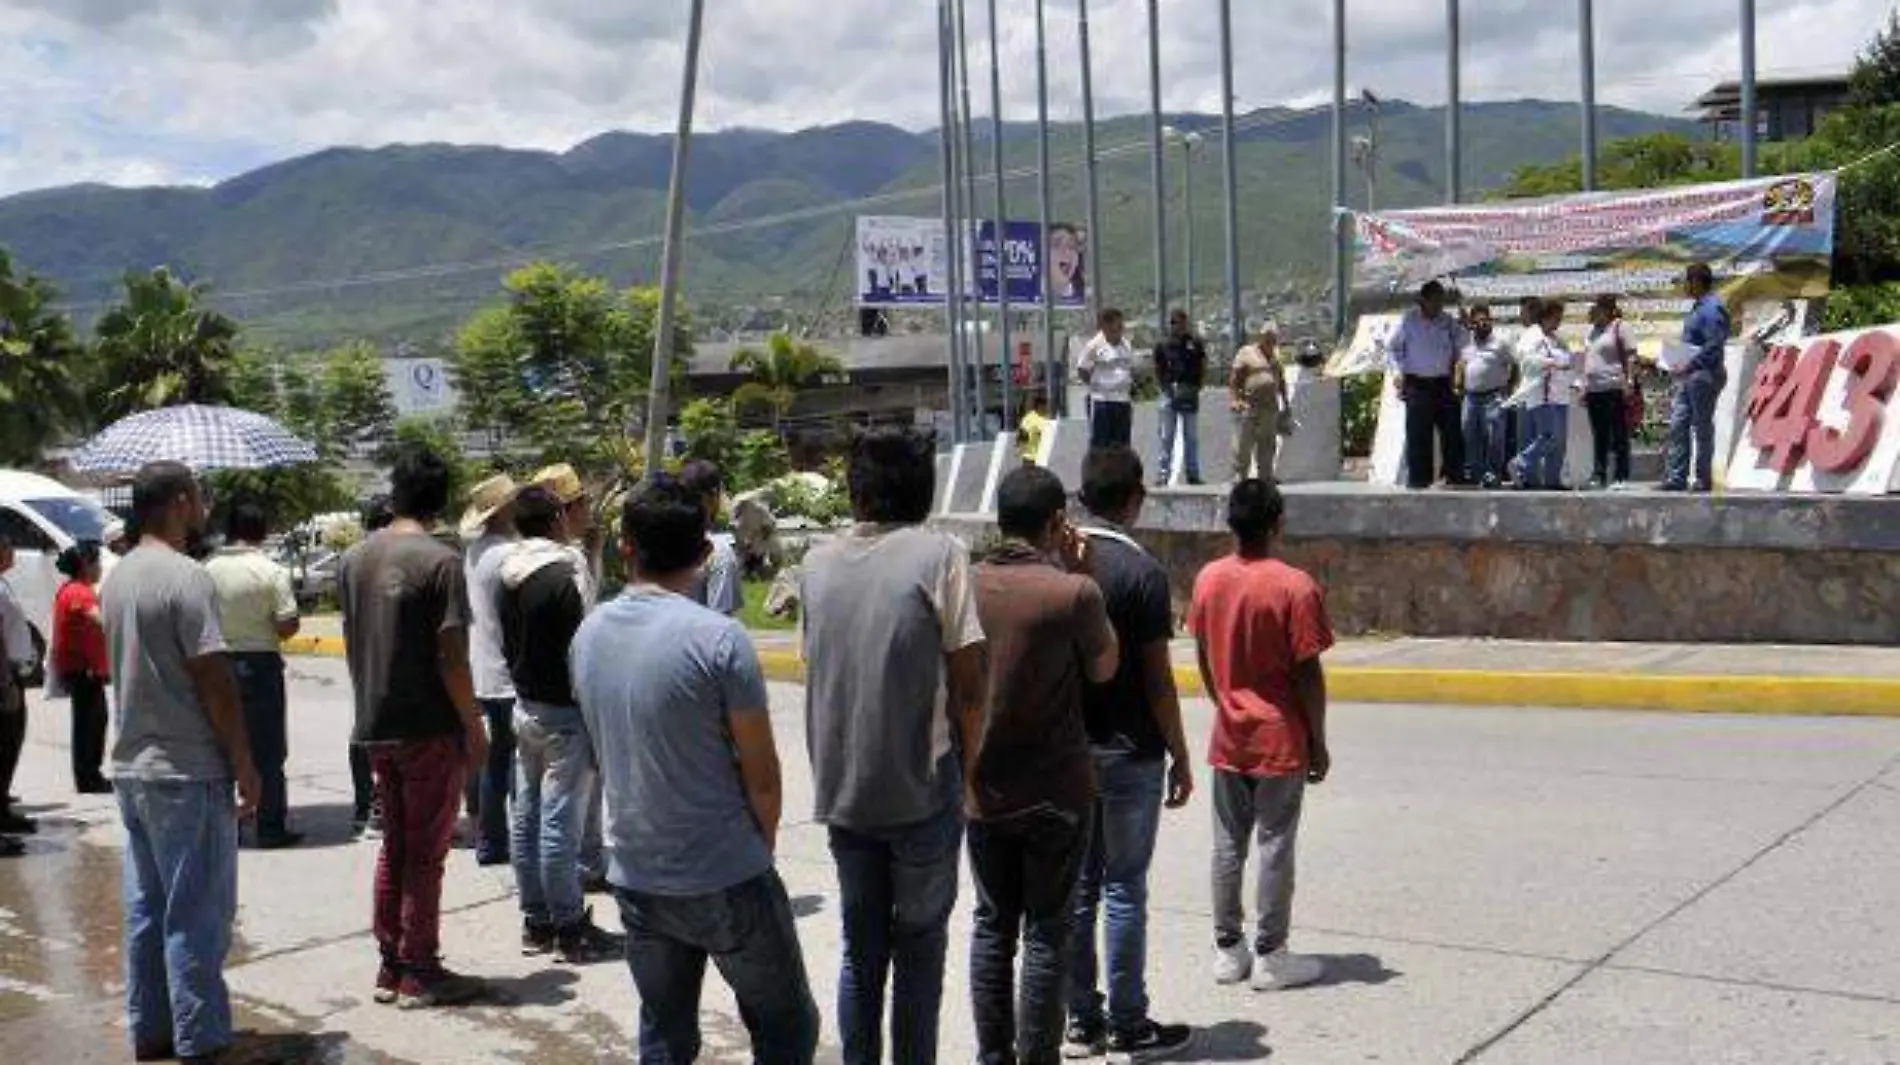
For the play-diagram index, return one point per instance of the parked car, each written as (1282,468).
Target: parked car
(42,518)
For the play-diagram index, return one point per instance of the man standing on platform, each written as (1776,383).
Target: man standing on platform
(1422,352)
(405,629)
(1181,368)
(258,610)
(1257,393)
(893,702)
(489,527)
(1107,367)
(1487,373)
(1698,385)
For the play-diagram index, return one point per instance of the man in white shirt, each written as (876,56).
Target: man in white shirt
(489,526)
(18,658)
(1421,353)
(1487,368)
(1107,367)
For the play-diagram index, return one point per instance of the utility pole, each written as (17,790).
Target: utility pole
(1337,224)
(1230,179)
(663,327)
(1002,218)
(1092,252)
(1052,377)
(966,235)
(1157,168)
(1454,106)
(953,299)
(1749,116)
(1587,46)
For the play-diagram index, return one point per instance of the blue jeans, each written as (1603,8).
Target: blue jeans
(1486,425)
(180,893)
(897,887)
(748,933)
(554,779)
(1692,422)
(1115,872)
(496,780)
(1025,868)
(1541,463)
(1189,425)
(260,681)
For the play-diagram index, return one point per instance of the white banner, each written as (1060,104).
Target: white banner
(901,262)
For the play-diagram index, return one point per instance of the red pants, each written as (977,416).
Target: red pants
(420,786)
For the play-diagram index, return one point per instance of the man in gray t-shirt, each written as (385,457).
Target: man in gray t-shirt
(893,695)
(181,744)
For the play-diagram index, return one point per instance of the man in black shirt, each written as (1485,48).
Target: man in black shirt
(1134,726)
(1181,367)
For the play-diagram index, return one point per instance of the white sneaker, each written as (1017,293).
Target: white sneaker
(1232,964)
(1281,970)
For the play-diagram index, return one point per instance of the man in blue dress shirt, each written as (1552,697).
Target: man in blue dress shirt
(1692,416)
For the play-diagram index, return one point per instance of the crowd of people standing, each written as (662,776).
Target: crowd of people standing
(1019,707)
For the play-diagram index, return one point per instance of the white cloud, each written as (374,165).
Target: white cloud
(167,90)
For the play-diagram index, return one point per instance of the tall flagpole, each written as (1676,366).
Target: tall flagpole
(1454,106)
(1092,252)
(1001,243)
(663,327)
(1587,61)
(1341,268)
(1748,88)
(1230,180)
(1158,167)
(952,299)
(974,319)
(1051,376)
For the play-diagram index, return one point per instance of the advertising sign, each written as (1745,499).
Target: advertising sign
(1822,416)
(904,262)
(419,386)
(1770,239)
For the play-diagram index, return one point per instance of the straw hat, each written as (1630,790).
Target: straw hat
(486,500)
(562,481)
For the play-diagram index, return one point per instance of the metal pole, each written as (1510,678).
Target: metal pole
(974,319)
(952,300)
(1157,167)
(1187,211)
(1454,106)
(657,400)
(1230,179)
(1587,46)
(1052,378)
(1748,88)
(1001,244)
(1337,224)
(1093,252)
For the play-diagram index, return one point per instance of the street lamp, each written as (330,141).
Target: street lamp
(1189,143)
(1365,150)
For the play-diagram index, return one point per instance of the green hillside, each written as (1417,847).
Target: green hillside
(399,243)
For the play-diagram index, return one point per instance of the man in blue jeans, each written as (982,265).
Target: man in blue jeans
(1141,760)
(674,697)
(893,701)
(1692,414)
(541,604)
(181,743)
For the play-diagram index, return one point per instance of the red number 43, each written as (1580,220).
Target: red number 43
(1784,405)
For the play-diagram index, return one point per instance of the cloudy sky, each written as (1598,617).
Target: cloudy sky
(161,91)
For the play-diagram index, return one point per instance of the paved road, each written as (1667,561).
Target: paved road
(1500,886)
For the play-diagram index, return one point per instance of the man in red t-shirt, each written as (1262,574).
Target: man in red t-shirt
(1259,628)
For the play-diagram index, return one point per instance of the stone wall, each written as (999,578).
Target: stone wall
(1567,567)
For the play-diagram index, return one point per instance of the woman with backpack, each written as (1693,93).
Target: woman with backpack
(1606,383)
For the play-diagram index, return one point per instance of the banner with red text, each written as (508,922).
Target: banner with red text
(1822,415)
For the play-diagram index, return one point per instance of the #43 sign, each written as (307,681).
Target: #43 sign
(1823,416)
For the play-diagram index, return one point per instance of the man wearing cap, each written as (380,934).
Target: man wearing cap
(488,527)
(1257,392)
(577,515)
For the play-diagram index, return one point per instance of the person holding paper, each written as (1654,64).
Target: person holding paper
(1545,398)
(1698,383)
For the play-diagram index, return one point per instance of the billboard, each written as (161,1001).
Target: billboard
(1769,239)
(904,262)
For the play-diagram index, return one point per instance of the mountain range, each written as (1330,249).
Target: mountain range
(399,243)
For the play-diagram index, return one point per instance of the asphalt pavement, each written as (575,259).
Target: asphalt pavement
(1485,885)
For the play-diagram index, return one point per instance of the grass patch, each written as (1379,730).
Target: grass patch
(753,613)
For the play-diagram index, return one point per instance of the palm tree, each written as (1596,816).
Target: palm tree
(39,363)
(779,372)
(162,347)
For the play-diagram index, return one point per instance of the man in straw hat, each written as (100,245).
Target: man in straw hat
(488,527)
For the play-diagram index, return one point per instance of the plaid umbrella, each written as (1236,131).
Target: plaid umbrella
(204,438)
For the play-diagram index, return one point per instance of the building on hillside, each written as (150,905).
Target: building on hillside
(1786,109)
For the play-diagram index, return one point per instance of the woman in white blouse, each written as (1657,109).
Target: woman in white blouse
(1545,398)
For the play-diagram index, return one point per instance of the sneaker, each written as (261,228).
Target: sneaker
(438,988)
(1281,970)
(1233,963)
(487,858)
(1084,1040)
(388,984)
(584,943)
(94,786)
(537,937)
(1150,1042)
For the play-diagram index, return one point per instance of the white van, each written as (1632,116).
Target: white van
(42,518)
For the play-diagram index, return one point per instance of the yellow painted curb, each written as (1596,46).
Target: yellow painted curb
(1679,693)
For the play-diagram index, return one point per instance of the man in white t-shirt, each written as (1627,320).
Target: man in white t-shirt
(488,526)
(1107,367)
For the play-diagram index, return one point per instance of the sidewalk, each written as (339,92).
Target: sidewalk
(1697,678)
